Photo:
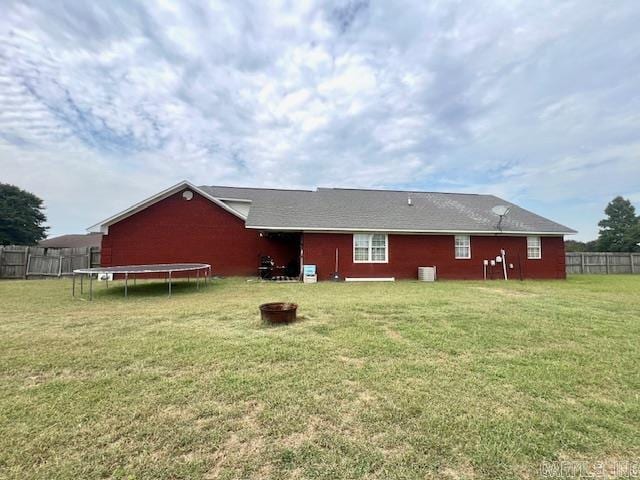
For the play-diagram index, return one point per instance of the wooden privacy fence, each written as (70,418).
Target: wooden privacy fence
(18,261)
(602,262)
(36,262)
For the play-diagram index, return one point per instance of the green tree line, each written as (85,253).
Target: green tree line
(619,231)
(21,217)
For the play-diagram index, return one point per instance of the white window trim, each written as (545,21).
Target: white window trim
(454,247)
(539,257)
(386,250)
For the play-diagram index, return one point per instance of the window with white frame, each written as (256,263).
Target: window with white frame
(534,248)
(370,248)
(463,246)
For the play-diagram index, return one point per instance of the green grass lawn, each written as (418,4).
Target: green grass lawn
(393,380)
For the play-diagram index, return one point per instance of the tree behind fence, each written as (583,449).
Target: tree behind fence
(18,261)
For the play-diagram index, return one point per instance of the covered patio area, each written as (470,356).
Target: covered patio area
(281,259)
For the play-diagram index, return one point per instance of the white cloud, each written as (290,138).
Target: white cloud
(113,101)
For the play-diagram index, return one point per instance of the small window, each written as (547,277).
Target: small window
(534,248)
(361,248)
(463,246)
(370,248)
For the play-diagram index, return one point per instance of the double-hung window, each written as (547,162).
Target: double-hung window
(534,248)
(370,248)
(463,246)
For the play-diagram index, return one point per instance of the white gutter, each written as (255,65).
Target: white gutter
(396,230)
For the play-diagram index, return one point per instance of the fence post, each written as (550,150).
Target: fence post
(26,263)
(606,262)
(633,270)
(89,257)
(582,262)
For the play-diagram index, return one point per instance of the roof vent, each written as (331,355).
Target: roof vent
(409,201)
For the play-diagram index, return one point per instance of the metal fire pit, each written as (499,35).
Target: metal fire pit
(278,312)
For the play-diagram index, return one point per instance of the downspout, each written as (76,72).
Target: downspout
(301,255)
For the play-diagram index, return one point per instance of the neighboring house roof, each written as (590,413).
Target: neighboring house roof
(335,209)
(343,209)
(72,241)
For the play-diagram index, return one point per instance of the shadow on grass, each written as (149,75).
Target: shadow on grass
(265,324)
(147,288)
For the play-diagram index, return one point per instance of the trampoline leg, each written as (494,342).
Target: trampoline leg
(169,282)
(198,280)
(73,285)
(126,281)
(90,286)
(81,283)
(106,280)
(134,280)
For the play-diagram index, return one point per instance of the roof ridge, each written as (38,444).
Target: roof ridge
(347,189)
(404,191)
(258,188)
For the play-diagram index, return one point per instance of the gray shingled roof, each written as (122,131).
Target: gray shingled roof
(341,209)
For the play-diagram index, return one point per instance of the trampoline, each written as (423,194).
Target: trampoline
(133,270)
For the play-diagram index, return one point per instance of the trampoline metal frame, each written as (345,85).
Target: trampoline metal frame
(133,270)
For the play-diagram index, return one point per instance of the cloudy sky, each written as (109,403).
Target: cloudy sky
(105,103)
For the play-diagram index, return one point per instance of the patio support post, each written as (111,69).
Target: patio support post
(90,286)
(169,282)
(126,286)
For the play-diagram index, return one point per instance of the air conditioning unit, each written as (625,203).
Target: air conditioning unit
(427,274)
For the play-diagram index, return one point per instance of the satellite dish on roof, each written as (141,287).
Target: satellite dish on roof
(500,210)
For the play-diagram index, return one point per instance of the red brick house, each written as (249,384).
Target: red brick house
(373,233)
